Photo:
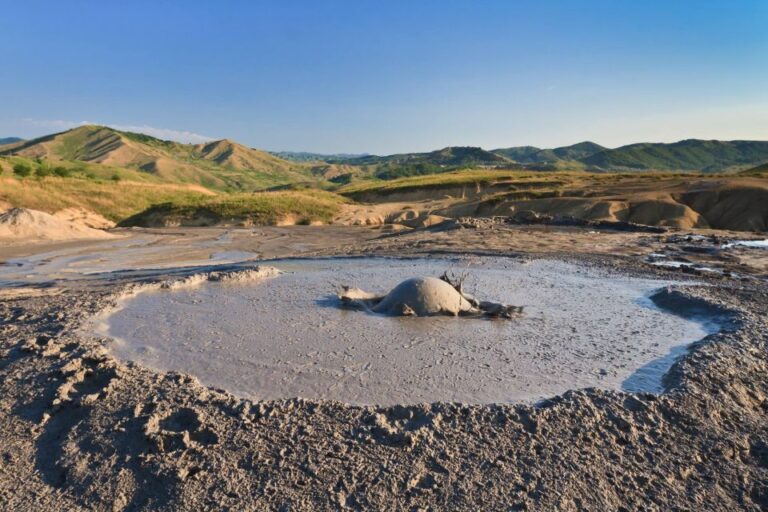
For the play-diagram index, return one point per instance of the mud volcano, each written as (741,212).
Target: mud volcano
(426,296)
(287,336)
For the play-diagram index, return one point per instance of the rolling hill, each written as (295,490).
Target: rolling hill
(418,164)
(305,156)
(534,155)
(760,169)
(686,155)
(454,156)
(9,140)
(221,164)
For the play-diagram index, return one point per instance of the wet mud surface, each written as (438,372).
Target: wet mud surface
(80,430)
(288,336)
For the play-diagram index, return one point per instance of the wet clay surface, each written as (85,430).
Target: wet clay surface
(287,336)
(79,430)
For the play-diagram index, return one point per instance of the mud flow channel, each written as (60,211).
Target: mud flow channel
(287,337)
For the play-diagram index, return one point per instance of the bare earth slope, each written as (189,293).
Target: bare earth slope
(23,226)
(721,203)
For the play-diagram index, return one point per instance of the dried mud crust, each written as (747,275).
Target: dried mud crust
(79,430)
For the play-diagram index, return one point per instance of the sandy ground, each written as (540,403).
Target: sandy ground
(81,431)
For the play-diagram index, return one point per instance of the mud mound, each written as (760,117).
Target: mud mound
(21,224)
(84,217)
(425,296)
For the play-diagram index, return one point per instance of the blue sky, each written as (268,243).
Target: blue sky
(389,76)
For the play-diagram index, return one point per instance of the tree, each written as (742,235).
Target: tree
(22,170)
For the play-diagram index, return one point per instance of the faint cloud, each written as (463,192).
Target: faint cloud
(160,133)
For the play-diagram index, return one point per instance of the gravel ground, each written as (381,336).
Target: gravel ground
(81,431)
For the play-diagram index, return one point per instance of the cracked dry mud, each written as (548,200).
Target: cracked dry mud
(81,431)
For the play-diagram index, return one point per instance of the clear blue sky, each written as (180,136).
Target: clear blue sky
(389,76)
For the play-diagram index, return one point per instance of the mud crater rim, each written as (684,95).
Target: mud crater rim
(646,378)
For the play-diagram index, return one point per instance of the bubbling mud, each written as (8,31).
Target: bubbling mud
(286,336)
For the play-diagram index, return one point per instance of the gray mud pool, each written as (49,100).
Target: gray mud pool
(286,336)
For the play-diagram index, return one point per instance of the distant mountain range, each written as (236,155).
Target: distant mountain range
(227,165)
(531,154)
(453,156)
(686,155)
(304,156)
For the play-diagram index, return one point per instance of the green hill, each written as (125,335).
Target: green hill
(305,156)
(534,155)
(520,154)
(760,169)
(449,156)
(418,164)
(9,140)
(577,151)
(686,155)
(221,164)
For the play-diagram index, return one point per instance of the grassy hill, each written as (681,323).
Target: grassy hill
(304,156)
(449,156)
(688,155)
(115,201)
(281,207)
(534,155)
(221,165)
(756,171)
(419,164)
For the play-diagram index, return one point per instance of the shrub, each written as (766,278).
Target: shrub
(115,177)
(22,170)
(43,171)
(61,171)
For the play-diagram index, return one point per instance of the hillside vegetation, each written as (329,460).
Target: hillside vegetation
(420,164)
(136,179)
(221,165)
(447,179)
(760,170)
(115,201)
(534,155)
(688,155)
(261,208)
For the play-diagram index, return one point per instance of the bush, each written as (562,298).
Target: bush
(22,170)
(43,171)
(115,177)
(61,171)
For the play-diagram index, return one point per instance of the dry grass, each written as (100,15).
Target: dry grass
(449,179)
(113,200)
(264,208)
